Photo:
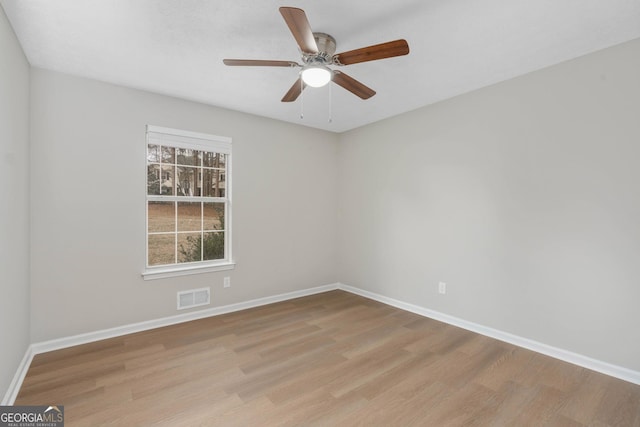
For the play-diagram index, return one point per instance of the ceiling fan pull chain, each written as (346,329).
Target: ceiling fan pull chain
(301,99)
(330,103)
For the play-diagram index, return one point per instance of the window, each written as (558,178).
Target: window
(188,202)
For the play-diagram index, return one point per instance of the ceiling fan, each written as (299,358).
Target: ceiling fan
(318,52)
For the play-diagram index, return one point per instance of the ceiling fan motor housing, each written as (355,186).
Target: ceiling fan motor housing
(326,48)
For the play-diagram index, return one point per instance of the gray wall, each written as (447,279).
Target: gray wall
(14,203)
(524,197)
(88,205)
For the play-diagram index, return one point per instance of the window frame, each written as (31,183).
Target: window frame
(199,141)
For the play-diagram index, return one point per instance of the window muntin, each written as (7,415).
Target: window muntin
(188,199)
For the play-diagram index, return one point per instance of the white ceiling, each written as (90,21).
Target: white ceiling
(176,47)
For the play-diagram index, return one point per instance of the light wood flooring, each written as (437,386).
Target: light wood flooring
(333,359)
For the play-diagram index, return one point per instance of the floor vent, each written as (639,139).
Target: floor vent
(194,298)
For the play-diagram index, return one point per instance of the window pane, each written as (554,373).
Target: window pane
(153,153)
(213,216)
(189,216)
(153,178)
(167,180)
(213,160)
(168,155)
(213,245)
(189,247)
(185,156)
(187,185)
(213,183)
(162,216)
(161,249)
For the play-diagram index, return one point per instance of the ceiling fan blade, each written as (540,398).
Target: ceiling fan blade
(259,63)
(298,23)
(295,91)
(372,53)
(352,85)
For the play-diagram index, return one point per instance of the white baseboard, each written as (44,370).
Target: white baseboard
(16,383)
(557,353)
(118,331)
(56,344)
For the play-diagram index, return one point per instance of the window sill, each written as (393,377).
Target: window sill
(175,271)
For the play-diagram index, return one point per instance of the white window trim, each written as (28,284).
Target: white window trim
(187,139)
(175,271)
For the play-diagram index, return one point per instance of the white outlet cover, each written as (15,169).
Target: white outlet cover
(442,287)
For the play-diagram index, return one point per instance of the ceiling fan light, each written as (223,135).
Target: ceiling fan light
(316,75)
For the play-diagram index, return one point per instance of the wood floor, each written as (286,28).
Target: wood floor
(333,359)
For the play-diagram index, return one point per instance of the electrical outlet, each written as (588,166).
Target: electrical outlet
(227,282)
(442,288)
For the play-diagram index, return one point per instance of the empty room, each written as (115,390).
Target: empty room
(256,213)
